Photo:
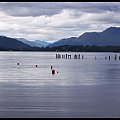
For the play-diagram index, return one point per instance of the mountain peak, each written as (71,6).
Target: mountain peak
(112,29)
(108,37)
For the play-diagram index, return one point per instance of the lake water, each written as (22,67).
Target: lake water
(81,88)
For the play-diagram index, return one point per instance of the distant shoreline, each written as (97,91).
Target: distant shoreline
(63,51)
(67,48)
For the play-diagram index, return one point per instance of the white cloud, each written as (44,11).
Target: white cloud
(54,21)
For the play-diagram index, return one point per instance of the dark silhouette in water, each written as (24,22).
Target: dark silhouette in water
(82,57)
(75,56)
(51,67)
(53,71)
(95,58)
(36,65)
(115,57)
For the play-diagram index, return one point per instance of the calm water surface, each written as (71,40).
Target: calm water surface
(81,88)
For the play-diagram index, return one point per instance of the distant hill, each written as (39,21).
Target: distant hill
(36,43)
(109,37)
(7,43)
(42,43)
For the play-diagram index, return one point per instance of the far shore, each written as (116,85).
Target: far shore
(66,48)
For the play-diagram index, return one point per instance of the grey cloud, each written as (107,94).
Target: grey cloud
(47,8)
(29,9)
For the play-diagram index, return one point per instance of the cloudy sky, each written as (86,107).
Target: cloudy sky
(52,21)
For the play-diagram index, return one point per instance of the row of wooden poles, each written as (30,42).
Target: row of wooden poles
(115,57)
(66,56)
(78,56)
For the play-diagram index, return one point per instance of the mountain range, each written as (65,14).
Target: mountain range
(108,37)
(11,43)
(35,43)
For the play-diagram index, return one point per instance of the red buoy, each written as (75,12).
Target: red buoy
(53,71)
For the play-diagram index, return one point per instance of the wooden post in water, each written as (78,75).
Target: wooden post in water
(63,56)
(95,58)
(56,56)
(69,56)
(82,57)
(79,56)
(66,56)
(109,57)
(115,57)
(75,56)
(119,57)
(59,56)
